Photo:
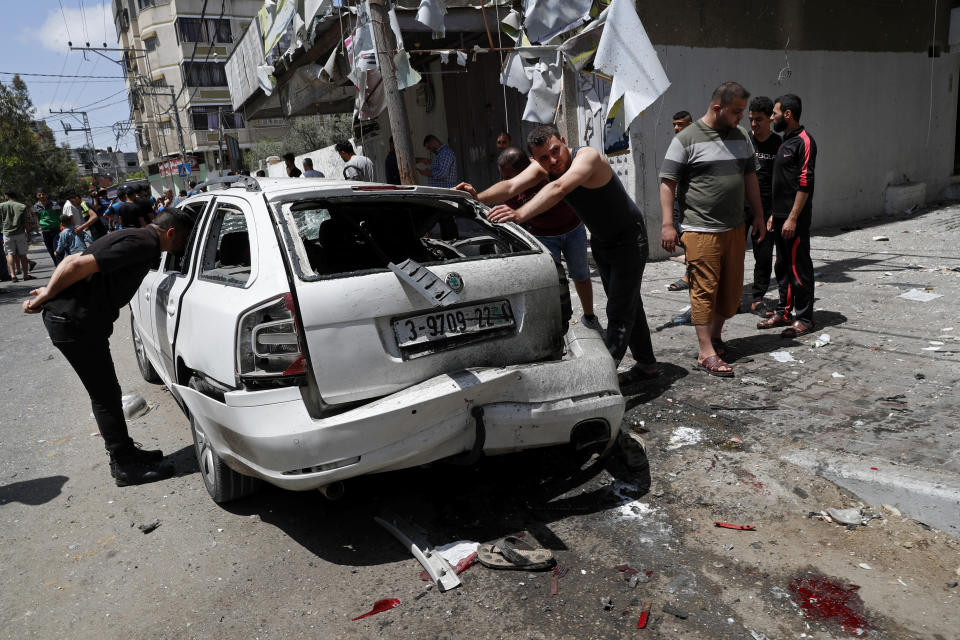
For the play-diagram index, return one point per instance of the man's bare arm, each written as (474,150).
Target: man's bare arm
(586,163)
(668,233)
(506,189)
(73,269)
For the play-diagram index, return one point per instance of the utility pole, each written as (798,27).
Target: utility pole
(396,108)
(67,128)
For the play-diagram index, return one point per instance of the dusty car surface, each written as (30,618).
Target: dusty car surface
(316,330)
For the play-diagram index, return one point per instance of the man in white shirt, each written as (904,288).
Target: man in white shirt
(355,167)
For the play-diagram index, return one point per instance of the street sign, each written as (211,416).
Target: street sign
(184,170)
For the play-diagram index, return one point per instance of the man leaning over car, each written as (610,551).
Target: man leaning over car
(81,302)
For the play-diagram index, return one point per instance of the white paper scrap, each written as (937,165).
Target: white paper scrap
(838,375)
(919,295)
(454,552)
(782,356)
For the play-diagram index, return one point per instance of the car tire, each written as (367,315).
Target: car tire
(222,483)
(146,369)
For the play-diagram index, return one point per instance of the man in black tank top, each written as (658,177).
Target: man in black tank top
(583,178)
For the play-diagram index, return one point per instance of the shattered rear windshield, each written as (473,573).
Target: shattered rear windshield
(341,236)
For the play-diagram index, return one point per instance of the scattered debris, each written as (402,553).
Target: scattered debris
(953,585)
(919,295)
(881,239)
(644,616)
(864,565)
(892,510)
(758,636)
(379,607)
(684,436)
(737,527)
(846,516)
(838,375)
(822,341)
(679,613)
(782,356)
(606,603)
(919,376)
(559,572)
(147,528)
(134,406)
(436,565)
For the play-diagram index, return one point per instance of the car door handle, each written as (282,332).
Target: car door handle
(146,296)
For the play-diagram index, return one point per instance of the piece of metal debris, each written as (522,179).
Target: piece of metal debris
(679,613)
(736,527)
(437,567)
(147,528)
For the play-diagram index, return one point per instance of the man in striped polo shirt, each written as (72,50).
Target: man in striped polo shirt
(790,223)
(708,166)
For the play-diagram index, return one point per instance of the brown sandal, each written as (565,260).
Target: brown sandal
(797,329)
(772,321)
(712,366)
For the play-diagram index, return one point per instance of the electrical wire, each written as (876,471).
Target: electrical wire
(57,75)
(56,90)
(83,20)
(65,24)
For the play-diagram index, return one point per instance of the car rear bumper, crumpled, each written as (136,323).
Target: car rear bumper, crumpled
(270,435)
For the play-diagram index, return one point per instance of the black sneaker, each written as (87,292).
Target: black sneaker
(33,265)
(129,471)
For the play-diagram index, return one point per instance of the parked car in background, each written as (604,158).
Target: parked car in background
(316,330)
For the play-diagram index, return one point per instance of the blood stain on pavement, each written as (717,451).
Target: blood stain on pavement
(831,601)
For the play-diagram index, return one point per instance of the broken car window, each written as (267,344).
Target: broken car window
(346,235)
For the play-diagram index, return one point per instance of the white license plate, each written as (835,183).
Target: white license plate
(451,323)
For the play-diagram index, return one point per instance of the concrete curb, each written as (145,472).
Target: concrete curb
(932,497)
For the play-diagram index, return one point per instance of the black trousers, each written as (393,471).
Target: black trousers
(621,272)
(762,261)
(794,272)
(89,355)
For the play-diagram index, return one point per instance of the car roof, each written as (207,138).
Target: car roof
(278,189)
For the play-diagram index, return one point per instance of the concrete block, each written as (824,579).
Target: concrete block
(897,198)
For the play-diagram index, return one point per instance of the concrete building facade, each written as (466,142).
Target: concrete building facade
(179,70)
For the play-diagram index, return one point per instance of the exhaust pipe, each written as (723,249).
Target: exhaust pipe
(333,491)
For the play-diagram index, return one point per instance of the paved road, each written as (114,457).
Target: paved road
(286,565)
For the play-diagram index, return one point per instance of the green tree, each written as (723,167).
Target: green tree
(306,134)
(29,155)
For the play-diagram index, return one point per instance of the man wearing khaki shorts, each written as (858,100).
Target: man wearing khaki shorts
(711,163)
(14,219)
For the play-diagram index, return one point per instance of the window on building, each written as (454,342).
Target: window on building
(207,118)
(204,74)
(206,30)
(146,4)
(151,43)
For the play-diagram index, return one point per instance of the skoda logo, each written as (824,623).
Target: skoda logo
(454,281)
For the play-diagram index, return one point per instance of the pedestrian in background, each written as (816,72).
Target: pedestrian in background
(681,120)
(793,183)
(355,167)
(504,141)
(70,241)
(765,147)
(292,170)
(443,164)
(309,171)
(390,166)
(711,164)
(13,218)
(48,217)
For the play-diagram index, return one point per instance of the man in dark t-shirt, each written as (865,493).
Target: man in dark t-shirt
(765,145)
(80,304)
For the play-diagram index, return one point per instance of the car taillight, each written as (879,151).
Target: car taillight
(268,342)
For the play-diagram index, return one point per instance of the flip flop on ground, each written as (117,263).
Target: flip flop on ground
(715,366)
(679,285)
(512,552)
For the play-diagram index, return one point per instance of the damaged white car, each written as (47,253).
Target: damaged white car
(317,330)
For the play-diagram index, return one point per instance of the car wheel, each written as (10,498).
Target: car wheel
(146,369)
(222,483)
